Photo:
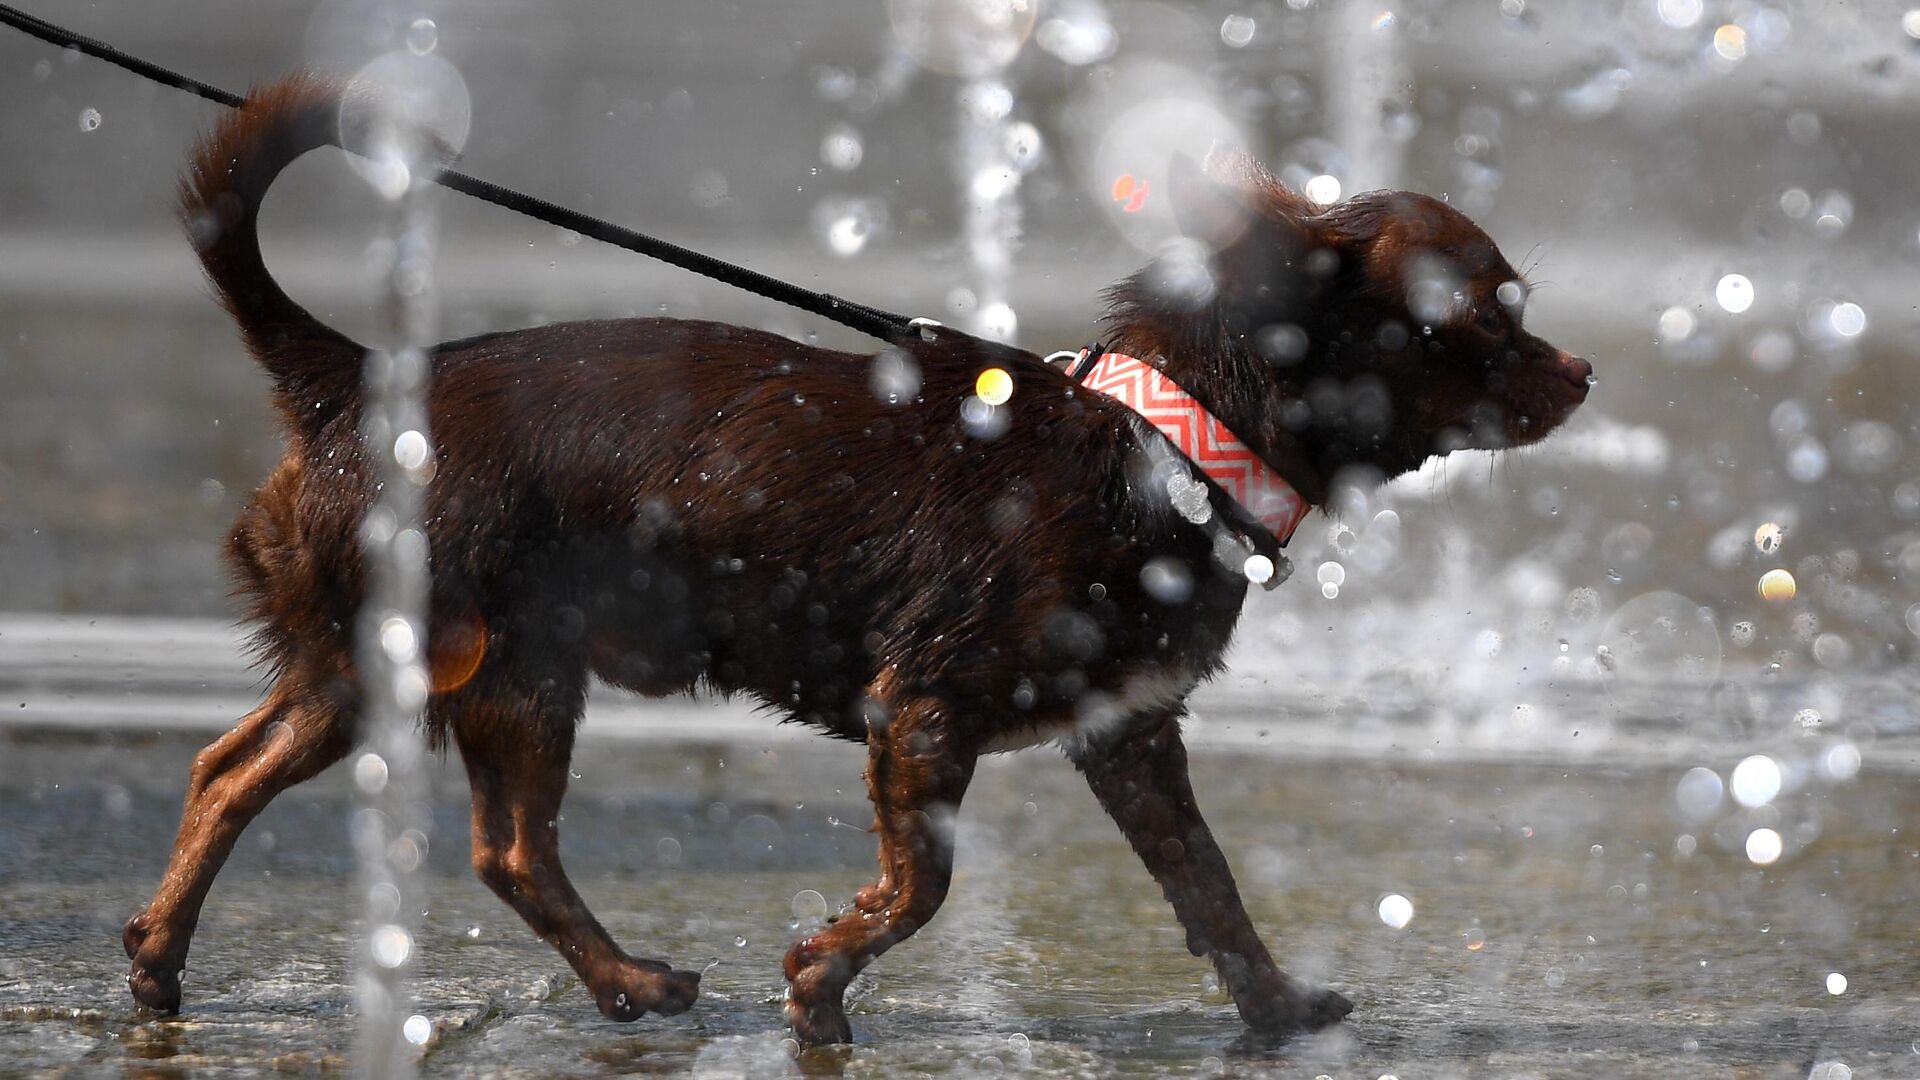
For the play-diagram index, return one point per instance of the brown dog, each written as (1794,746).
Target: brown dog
(667,503)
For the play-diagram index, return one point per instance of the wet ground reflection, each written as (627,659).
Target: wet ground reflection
(1558,928)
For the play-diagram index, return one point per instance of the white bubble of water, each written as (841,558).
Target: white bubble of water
(1167,580)
(1661,651)
(1237,31)
(1841,762)
(89,119)
(1755,781)
(1698,793)
(1764,847)
(1331,573)
(370,773)
(1836,983)
(399,640)
(1395,910)
(997,321)
(841,148)
(1848,319)
(413,115)
(962,37)
(1323,189)
(1078,33)
(417,1030)
(809,904)
(894,377)
(1259,569)
(1679,14)
(1676,324)
(391,945)
(846,235)
(422,36)
(1023,145)
(1734,293)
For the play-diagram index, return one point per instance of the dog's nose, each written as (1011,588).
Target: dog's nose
(1575,370)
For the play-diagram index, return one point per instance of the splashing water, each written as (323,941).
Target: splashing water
(416,92)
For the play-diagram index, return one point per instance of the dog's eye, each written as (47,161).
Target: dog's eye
(1491,322)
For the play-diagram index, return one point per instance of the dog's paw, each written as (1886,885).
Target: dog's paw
(1297,1009)
(818,1023)
(156,988)
(641,990)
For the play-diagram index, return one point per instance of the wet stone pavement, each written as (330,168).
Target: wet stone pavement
(1561,925)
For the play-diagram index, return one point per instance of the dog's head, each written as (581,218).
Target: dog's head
(1380,331)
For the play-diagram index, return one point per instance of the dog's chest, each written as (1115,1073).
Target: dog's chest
(1146,689)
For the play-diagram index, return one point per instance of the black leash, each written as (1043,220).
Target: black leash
(871,321)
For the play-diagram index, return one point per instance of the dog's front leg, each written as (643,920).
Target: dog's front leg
(1139,774)
(916,774)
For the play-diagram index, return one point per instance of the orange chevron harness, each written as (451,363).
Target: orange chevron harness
(1198,434)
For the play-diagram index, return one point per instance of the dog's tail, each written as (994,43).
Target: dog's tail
(315,370)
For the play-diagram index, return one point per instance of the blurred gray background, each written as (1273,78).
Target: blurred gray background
(1630,154)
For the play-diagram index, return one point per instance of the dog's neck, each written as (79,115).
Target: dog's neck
(1219,368)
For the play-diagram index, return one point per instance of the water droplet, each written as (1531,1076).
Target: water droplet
(739,942)
(1332,573)
(1698,793)
(1778,586)
(1237,31)
(994,386)
(417,1030)
(1023,145)
(809,904)
(1167,580)
(1764,847)
(1848,319)
(1676,324)
(1767,538)
(1730,41)
(370,773)
(1329,590)
(1755,781)
(842,148)
(894,377)
(1395,910)
(667,851)
(846,235)
(1679,14)
(1323,188)
(1734,293)
(1836,983)
(422,36)
(1259,569)
(89,119)
(391,945)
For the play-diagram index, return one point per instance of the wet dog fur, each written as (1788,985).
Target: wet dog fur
(671,504)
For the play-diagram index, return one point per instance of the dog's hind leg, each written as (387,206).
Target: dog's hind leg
(1139,774)
(916,775)
(292,736)
(516,746)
